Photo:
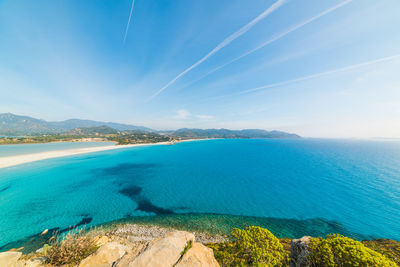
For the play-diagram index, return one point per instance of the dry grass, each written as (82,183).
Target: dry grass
(71,249)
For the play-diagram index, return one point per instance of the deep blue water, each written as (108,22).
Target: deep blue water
(355,184)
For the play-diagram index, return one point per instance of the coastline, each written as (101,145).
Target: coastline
(11,161)
(129,244)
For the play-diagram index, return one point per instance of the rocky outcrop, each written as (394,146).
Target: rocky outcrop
(126,248)
(37,262)
(299,252)
(131,255)
(198,256)
(9,258)
(106,255)
(164,251)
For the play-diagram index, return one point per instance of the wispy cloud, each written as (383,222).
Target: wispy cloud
(273,39)
(347,68)
(205,117)
(129,21)
(182,114)
(224,43)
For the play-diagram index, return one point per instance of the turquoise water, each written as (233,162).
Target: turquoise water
(295,187)
(13,150)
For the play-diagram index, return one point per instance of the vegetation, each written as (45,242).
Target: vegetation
(187,247)
(256,246)
(138,138)
(43,139)
(388,248)
(98,130)
(337,250)
(15,125)
(71,249)
(100,133)
(226,133)
(251,247)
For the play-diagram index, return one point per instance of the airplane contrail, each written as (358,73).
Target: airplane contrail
(351,67)
(273,39)
(129,21)
(224,43)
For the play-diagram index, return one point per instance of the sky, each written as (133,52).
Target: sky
(316,68)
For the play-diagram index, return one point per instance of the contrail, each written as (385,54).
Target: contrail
(351,67)
(224,43)
(273,39)
(129,21)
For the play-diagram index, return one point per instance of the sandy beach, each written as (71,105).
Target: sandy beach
(26,158)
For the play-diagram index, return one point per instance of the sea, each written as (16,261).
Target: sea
(293,187)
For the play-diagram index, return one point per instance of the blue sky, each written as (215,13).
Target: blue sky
(316,68)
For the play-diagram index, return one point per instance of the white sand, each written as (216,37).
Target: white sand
(21,159)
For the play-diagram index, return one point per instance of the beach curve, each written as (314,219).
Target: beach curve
(10,161)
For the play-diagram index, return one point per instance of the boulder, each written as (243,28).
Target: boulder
(164,251)
(37,262)
(131,255)
(106,255)
(102,240)
(198,256)
(299,252)
(9,258)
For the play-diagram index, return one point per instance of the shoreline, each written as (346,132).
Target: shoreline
(11,161)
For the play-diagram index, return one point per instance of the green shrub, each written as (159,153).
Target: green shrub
(337,250)
(388,248)
(253,246)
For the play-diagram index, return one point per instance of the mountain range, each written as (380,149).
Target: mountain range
(11,124)
(14,125)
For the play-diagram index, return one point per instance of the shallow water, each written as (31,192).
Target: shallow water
(293,187)
(20,149)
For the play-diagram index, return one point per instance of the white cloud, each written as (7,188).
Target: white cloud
(342,69)
(275,38)
(224,43)
(182,114)
(129,21)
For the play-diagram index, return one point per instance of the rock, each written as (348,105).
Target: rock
(131,255)
(9,258)
(299,252)
(164,251)
(106,255)
(136,232)
(45,232)
(16,249)
(198,256)
(102,240)
(37,262)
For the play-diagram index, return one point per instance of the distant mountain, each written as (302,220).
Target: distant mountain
(226,133)
(11,124)
(77,123)
(98,130)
